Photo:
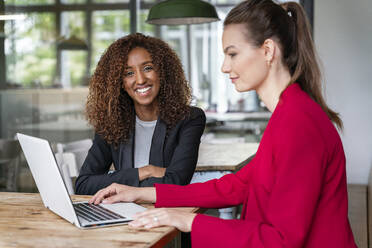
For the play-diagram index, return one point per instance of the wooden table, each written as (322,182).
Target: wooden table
(224,157)
(217,160)
(25,222)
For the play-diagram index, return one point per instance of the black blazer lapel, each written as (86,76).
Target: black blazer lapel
(126,154)
(157,143)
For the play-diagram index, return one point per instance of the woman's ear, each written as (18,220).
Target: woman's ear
(269,50)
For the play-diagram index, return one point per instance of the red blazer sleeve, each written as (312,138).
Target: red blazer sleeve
(229,190)
(299,162)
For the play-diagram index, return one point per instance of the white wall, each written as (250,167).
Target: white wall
(343,36)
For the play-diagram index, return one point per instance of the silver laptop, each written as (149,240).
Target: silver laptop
(48,178)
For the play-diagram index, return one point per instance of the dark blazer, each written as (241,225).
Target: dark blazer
(177,151)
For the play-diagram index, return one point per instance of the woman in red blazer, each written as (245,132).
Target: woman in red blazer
(294,191)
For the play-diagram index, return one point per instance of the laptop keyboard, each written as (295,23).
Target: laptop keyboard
(94,213)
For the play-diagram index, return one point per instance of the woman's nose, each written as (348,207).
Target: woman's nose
(225,68)
(140,77)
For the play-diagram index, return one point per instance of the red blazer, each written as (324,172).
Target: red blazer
(293,192)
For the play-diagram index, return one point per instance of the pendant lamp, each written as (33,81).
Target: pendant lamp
(178,12)
(72,43)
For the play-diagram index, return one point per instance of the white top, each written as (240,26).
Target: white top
(143,137)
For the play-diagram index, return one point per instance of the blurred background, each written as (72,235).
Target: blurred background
(50,48)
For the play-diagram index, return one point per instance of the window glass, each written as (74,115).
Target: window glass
(108,26)
(30,50)
(73,63)
(73,1)
(111,1)
(73,23)
(144,27)
(201,62)
(73,68)
(28,2)
(176,37)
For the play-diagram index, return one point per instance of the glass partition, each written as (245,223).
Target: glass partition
(111,1)
(107,27)
(73,1)
(29,2)
(30,50)
(73,62)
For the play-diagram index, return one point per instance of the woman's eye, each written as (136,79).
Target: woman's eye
(148,68)
(128,73)
(232,55)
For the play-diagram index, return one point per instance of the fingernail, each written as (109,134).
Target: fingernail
(104,201)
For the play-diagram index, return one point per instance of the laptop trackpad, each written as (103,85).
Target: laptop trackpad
(126,209)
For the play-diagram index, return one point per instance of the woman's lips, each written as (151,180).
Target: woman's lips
(143,91)
(233,80)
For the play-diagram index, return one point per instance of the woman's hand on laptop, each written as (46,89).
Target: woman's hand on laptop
(163,217)
(123,193)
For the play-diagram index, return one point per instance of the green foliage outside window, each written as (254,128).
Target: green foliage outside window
(73,1)
(30,50)
(28,2)
(145,28)
(111,1)
(108,26)
(30,44)
(74,62)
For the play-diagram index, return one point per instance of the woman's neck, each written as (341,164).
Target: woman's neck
(276,82)
(147,113)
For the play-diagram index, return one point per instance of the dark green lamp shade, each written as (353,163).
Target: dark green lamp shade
(177,12)
(72,43)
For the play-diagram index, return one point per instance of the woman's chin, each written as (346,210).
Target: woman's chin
(146,103)
(240,89)
(243,88)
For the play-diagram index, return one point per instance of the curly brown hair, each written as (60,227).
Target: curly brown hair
(110,110)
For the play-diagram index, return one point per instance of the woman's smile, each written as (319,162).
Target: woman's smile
(143,91)
(141,80)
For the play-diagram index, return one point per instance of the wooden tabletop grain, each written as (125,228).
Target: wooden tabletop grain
(225,157)
(25,222)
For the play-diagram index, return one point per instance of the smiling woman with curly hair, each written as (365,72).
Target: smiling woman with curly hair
(139,106)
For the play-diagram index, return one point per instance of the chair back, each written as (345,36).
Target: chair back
(80,149)
(70,157)
(9,149)
(9,152)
